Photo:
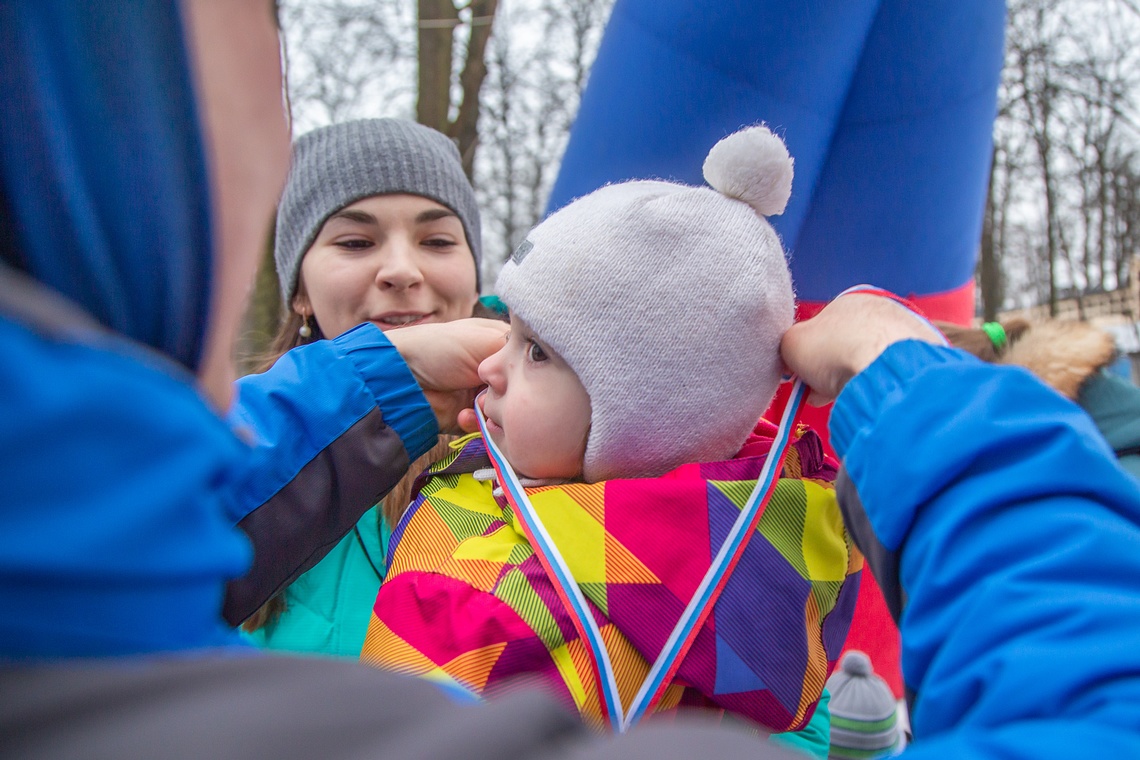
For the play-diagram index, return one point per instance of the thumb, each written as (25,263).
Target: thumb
(467,420)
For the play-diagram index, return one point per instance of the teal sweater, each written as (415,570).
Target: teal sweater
(1114,405)
(327,609)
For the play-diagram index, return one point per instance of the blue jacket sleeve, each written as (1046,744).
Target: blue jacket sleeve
(1012,539)
(333,426)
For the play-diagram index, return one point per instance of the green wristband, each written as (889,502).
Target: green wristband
(996,334)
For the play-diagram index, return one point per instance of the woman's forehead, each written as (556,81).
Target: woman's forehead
(417,206)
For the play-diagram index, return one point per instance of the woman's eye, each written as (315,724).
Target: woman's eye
(354,244)
(534,352)
(439,242)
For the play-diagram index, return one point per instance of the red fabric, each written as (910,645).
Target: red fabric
(872,629)
(955,305)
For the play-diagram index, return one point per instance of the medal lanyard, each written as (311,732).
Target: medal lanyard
(683,635)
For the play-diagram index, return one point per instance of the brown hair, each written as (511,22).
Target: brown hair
(287,338)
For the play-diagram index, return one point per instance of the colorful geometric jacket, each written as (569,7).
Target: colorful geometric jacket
(466,601)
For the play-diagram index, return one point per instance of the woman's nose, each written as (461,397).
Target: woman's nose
(399,269)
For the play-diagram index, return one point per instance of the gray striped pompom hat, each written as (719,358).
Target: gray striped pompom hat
(338,165)
(864,714)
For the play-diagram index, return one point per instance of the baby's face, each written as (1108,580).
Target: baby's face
(537,411)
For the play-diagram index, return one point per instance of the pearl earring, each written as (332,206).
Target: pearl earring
(305,331)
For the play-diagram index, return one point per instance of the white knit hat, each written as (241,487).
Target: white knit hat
(669,303)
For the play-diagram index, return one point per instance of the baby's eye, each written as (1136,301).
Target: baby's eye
(534,352)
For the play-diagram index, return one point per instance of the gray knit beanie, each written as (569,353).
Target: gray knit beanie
(341,164)
(864,714)
(669,303)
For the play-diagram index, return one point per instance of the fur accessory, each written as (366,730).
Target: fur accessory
(1062,354)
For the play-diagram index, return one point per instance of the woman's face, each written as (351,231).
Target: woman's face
(393,260)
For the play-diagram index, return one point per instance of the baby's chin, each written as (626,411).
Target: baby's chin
(532,473)
(545,475)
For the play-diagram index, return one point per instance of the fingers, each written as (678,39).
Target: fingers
(818,399)
(446,357)
(467,421)
(848,334)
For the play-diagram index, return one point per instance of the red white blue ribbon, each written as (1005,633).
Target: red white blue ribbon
(713,583)
(559,573)
(683,635)
(906,303)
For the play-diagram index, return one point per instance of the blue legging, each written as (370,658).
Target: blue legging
(887,107)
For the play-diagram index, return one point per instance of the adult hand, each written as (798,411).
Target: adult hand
(844,338)
(444,358)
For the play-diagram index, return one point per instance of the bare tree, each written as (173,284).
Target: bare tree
(345,56)
(538,65)
(990,280)
(437,99)
(1068,94)
(1007,171)
(1033,48)
(1125,224)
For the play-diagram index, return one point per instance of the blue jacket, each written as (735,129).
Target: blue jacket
(118,480)
(1007,541)
(122,487)
(334,426)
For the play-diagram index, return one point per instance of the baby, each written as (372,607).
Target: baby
(644,347)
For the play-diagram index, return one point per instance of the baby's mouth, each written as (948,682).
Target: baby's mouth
(492,426)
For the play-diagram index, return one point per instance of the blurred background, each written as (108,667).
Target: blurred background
(504,79)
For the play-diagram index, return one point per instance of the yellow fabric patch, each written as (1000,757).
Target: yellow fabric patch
(581,538)
(569,671)
(426,544)
(474,668)
(495,547)
(386,650)
(472,494)
(824,539)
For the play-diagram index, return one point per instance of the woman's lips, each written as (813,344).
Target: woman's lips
(396,319)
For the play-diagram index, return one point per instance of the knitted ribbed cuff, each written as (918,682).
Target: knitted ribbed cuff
(397,394)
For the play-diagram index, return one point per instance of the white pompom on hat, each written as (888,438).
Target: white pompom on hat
(668,302)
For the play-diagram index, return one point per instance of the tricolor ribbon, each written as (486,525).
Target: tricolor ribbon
(684,633)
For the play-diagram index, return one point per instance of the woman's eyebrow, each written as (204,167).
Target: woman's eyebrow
(434,213)
(354,215)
